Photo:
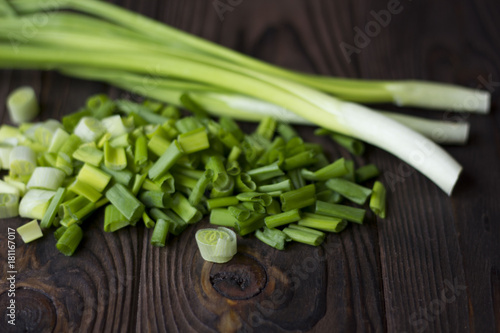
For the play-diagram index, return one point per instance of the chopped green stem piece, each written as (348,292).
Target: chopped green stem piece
(123,177)
(254,222)
(350,175)
(114,158)
(46,178)
(253,206)
(171,112)
(125,202)
(351,214)
(89,154)
(233,168)
(166,161)
(354,146)
(220,177)
(366,172)
(244,183)
(266,172)
(85,190)
(272,237)
(239,212)
(114,220)
(138,182)
(286,131)
(141,151)
(261,198)
(177,225)
(58,139)
(329,196)
(183,208)
(321,222)
(30,231)
(94,177)
(194,141)
(223,217)
(284,186)
(377,201)
(52,210)
(142,111)
(221,202)
(280,219)
(155,199)
(305,237)
(184,180)
(352,191)
(59,232)
(160,233)
(234,154)
(299,198)
(266,127)
(89,129)
(22,105)
(70,240)
(336,169)
(9,205)
(193,106)
(231,126)
(34,204)
(22,161)
(158,145)
(296,178)
(300,160)
(274,207)
(148,222)
(216,245)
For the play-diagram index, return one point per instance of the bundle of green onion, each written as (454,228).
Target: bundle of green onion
(101,41)
(144,162)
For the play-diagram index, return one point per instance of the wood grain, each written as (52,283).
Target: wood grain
(433,265)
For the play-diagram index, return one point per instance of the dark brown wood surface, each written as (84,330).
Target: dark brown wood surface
(432,266)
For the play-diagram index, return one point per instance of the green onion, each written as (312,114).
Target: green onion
(148,222)
(141,151)
(221,202)
(321,222)
(223,217)
(123,177)
(366,172)
(9,188)
(300,160)
(46,178)
(344,212)
(22,161)
(114,219)
(158,145)
(239,212)
(30,231)
(58,139)
(254,222)
(272,237)
(155,199)
(160,233)
(244,183)
(59,232)
(377,201)
(52,209)
(194,141)
(335,169)
(176,224)
(86,190)
(354,192)
(299,198)
(354,146)
(5,151)
(125,202)
(70,240)
(252,207)
(89,129)
(22,105)
(94,177)
(166,161)
(114,126)
(287,217)
(284,186)
(183,208)
(9,205)
(34,204)
(265,173)
(216,245)
(261,198)
(266,128)
(304,235)
(114,158)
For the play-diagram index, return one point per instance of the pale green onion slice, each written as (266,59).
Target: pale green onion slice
(5,151)
(9,188)
(9,205)
(22,105)
(17,184)
(216,245)
(114,126)
(44,133)
(58,139)
(34,204)
(89,129)
(30,231)
(22,160)
(46,178)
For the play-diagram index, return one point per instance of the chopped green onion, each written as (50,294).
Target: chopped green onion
(114,126)
(272,237)
(351,214)
(70,240)
(335,169)
(94,177)
(253,206)
(352,191)
(366,172)
(354,146)
(158,145)
(22,105)
(280,219)
(194,141)
(244,183)
(65,154)
(266,127)
(300,160)
(9,205)
(59,232)
(58,139)
(183,208)
(141,151)
(9,188)
(123,177)
(299,198)
(160,233)
(139,182)
(22,161)
(34,204)
(114,219)
(221,202)
(30,231)
(239,212)
(223,217)
(216,245)
(86,190)
(304,235)
(261,198)
(89,129)
(377,201)
(52,209)
(321,222)
(125,202)
(166,161)
(114,158)
(284,186)
(176,224)
(254,222)
(148,222)
(155,199)
(46,178)
(286,131)
(266,172)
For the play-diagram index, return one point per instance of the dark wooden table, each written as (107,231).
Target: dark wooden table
(433,265)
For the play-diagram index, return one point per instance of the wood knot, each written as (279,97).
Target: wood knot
(241,278)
